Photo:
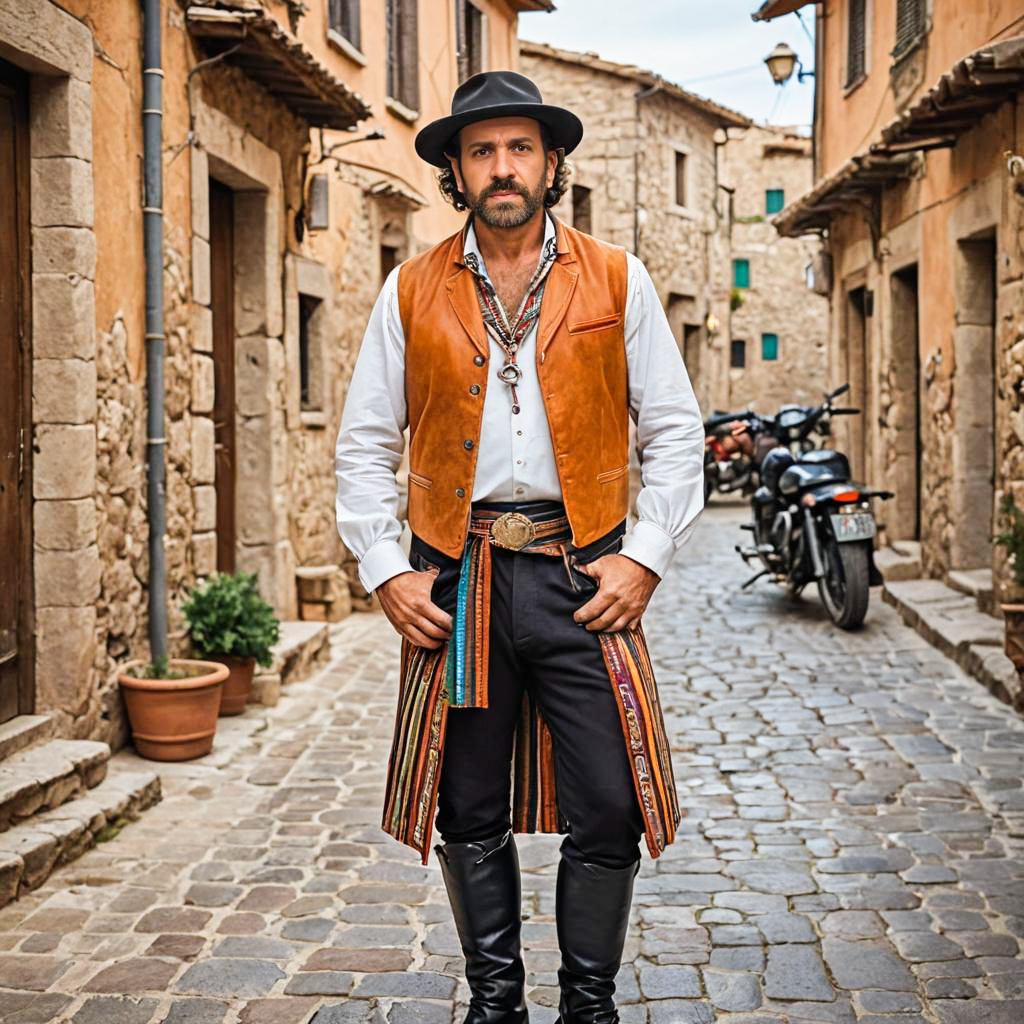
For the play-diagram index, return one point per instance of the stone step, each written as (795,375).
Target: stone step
(32,849)
(303,647)
(901,560)
(951,621)
(43,777)
(23,731)
(976,583)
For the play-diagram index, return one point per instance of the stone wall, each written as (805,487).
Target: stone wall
(778,301)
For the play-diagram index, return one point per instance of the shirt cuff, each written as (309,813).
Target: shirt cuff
(649,545)
(383,561)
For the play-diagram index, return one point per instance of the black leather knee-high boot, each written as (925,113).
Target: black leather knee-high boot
(592,914)
(483,886)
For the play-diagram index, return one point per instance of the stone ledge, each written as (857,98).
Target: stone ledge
(42,778)
(31,851)
(900,561)
(952,622)
(303,647)
(23,731)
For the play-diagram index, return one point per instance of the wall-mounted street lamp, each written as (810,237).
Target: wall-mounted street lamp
(781,62)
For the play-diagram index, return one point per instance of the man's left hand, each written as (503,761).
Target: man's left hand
(623,589)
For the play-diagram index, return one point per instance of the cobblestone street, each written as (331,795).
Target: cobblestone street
(852,851)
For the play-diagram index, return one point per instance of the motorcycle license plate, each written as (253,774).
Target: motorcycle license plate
(853,526)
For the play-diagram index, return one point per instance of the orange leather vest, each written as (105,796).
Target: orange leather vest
(581,364)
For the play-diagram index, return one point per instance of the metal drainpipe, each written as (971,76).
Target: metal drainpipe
(642,94)
(153,233)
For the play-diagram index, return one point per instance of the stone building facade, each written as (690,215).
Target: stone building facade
(646,177)
(779,328)
(290,187)
(919,197)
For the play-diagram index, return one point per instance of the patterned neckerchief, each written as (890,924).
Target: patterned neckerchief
(510,334)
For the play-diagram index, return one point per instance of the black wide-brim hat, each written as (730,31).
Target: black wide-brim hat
(497,94)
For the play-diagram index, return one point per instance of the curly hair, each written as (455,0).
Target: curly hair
(452,194)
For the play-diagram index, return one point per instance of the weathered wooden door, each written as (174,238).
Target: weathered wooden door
(15,421)
(222,300)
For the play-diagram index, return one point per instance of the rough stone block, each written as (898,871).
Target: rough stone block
(58,250)
(62,192)
(200,192)
(64,525)
(61,117)
(63,317)
(204,553)
(64,465)
(11,867)
(252,378)
(201,328)
(49,37)
(67,577)
(204,500)
(255,465)
(202,384)
(200,270)
(203,467)
(63,390)
(65,641)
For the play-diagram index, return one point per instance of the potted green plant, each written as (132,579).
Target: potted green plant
(1012,538)
(230,622)
(172,706)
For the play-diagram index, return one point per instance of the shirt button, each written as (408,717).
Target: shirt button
(467,444)
(479,360)
(519,433)
(474,389)
(519,462)
(460,492)
(519,490)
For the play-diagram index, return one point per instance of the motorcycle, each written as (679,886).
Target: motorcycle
(811,522)
(734,445)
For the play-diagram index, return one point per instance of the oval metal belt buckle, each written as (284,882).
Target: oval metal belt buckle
(513,530)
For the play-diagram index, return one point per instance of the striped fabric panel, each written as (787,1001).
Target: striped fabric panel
(414,769)
(534,806)
(632,678)
(466,676)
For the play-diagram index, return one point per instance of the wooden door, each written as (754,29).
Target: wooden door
(222,300)
(15,422)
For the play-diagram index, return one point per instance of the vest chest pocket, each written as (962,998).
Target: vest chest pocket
(597,324)
(420,481)
(612,474)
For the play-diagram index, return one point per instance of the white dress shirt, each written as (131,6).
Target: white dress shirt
(515,459)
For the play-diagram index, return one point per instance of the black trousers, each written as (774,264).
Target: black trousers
(536,646)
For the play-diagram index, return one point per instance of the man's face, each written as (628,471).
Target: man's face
(503,171)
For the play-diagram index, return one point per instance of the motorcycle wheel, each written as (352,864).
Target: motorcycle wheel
(844,587)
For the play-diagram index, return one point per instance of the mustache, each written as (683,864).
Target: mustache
(506,185)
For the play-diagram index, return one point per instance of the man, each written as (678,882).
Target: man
(516,352)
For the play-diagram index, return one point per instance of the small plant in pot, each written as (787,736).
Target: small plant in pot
(1012,538)
(230,622)
(172,706)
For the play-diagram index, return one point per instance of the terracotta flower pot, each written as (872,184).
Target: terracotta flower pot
(1013,618)
(238,684)
(174,719)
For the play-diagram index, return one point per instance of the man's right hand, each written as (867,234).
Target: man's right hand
(405,599)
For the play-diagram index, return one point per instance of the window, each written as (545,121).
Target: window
(469,36)
(388,260)
(909,25)
(741,273)
(769,347)
(309,325)
(856,41)
(774,200)
(581,209)
(343,18)
(681,190)
(403,53)
(738,354)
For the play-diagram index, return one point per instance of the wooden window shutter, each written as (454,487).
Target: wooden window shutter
(353,29)
(461,46)
(343,18)
(393,47)
(408,54)
(856,41)
(909,25)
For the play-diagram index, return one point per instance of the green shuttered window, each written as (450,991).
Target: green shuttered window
(769,347)
(741,273)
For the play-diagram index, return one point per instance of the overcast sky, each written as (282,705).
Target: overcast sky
(710,47)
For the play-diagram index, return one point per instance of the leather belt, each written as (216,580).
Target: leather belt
(545,533)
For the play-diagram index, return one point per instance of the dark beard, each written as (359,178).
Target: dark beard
(508,214)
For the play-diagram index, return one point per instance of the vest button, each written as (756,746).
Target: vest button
(460,492)
(467,444)
(479,360)
(474,389)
